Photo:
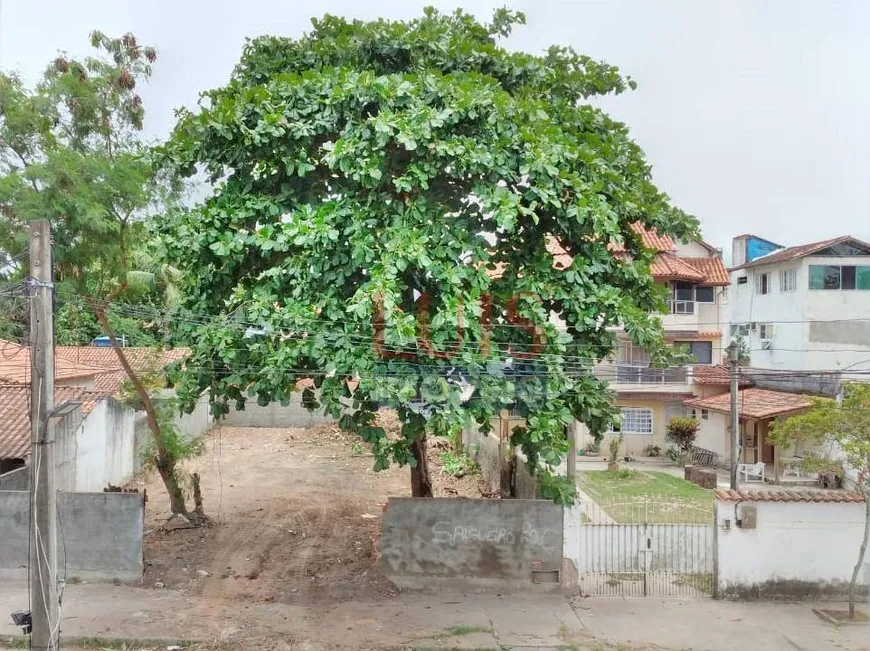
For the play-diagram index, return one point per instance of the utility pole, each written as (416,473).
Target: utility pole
(572,451)
(733,356)
(43,498)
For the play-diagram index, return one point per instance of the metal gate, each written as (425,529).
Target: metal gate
(647,547)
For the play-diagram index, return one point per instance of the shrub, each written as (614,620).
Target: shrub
(682,432)
(652,450)
(458,465)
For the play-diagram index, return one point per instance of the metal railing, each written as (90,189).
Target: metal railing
(621,373)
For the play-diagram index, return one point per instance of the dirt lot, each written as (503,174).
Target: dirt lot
(296,514)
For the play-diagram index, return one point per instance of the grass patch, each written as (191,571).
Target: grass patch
(465,630)
(654,497)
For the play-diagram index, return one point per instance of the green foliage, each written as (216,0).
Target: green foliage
(624,473)
(357,449)
(369,163)
(178,446)
(70,153)
(652,450)
(682,432)
(458,464)
(613,446)
(559,488)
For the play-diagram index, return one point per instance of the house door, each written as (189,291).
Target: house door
(766,447)
(749,444)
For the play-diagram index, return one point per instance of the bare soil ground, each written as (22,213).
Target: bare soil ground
(296,513)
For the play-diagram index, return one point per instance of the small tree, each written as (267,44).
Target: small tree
(682,432)
(71,152)
(847,426)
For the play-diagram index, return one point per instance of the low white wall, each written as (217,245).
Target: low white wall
(275,414)
(797,549)
(105,451)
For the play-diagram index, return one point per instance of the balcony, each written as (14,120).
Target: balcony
(681,314)
(640,378)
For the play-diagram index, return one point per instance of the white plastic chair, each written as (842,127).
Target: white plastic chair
(754,470)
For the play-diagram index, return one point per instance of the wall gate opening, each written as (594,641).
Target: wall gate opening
(654,547)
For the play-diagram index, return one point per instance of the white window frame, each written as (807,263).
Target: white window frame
(759,284)
(788,280)
(629,419)
(766,331)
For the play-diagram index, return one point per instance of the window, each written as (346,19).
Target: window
(702,351)
(788,280)
(740,330)
(824,276)
(684,291)
(705,415)
(846,277)
(742,280)
(634,420)
(704,295)
(765,330)
(762,284)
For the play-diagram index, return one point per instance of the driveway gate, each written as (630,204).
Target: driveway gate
(647,547)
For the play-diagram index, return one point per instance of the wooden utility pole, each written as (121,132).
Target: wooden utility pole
(43,498)
(733,356)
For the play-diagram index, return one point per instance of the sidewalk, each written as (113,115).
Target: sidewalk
(445,621)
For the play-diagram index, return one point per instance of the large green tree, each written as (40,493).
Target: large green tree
(846,425)
(71,152)
(388,199)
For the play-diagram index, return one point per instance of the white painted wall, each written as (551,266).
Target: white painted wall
(792,346)
(713,434)
(105,447)
(793,541)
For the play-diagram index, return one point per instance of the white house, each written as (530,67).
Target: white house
(804,308)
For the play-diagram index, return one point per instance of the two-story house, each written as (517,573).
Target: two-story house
(696,278)
(802,308)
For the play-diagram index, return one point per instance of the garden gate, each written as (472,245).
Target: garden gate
(647,547)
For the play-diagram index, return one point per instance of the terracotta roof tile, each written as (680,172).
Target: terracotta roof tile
(15,365)
(667,266)
(789,496)
(15,415)
(755,403)
(794,252)
(712,269)
(651,239)
(716,375)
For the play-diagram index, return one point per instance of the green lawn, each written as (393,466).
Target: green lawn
(654,497)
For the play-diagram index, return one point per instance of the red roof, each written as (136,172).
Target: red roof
(712,269)
(788,496)
(15,415)
(755,403)
(15,365)
(795,252)
(667,266)
(716,375)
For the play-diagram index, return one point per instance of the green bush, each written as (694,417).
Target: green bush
(458,464)
(682,432)
(652,450)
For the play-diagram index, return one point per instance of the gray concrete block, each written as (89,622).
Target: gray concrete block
(498,544)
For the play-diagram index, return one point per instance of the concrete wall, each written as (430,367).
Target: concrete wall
(713,434)
(275,415)
(97,450)
(99,535)
(16,480)
(797,550)
(462,544)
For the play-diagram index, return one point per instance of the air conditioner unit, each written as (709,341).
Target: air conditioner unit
(766,344)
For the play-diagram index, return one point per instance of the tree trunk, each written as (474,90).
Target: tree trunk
(165,463)
(863,551)
(421,485)
(197,496)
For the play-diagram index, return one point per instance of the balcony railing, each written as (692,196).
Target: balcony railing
(681,307)
(622,373)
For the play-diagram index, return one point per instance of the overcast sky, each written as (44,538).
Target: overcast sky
(754,113)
